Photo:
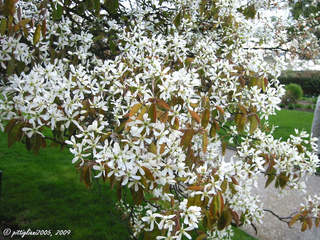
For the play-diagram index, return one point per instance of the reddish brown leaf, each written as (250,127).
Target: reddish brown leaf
(137,196)
(44,27)
(204,142)
(202,236)
(152,113)
(160,103)
(112,180)
(86,176)
(235,216)
(186,138)
(205,118)
(10,125)
(119,192)
(242,109)
(148,174)
(317,222)
(195,188)
(37,143)
(309,220)
(135,109)
(164,117)
(221,111)
(176,123)
(195,116)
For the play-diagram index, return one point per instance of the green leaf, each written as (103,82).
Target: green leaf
(214,128)
(96,4)
(283,179)
(57,12)
(112,46)
(10,67)
(253,124)
(215,206)
(3,26)
(20,67)
(21,24)
(177,20)
(270,179)
(176,123)
(37,35)
(241,124)
(224,147)
(112,6)
(25,32)
(224,220)
(8,8)
(250,12)
(304,225)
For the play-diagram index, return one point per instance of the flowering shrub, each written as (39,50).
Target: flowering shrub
(146,96)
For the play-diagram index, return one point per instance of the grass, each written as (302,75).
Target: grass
(288,120)
(43,192)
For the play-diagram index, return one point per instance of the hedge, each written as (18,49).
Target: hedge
(309,81)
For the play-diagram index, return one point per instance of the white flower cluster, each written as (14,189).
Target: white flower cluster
(312,205)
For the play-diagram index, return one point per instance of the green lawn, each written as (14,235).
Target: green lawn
(288,120)
(43,192)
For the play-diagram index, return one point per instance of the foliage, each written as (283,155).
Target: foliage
(282,105)
(293,92)
(304,8)
(307,13)
(291,106)
(309,84)
(140,92)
